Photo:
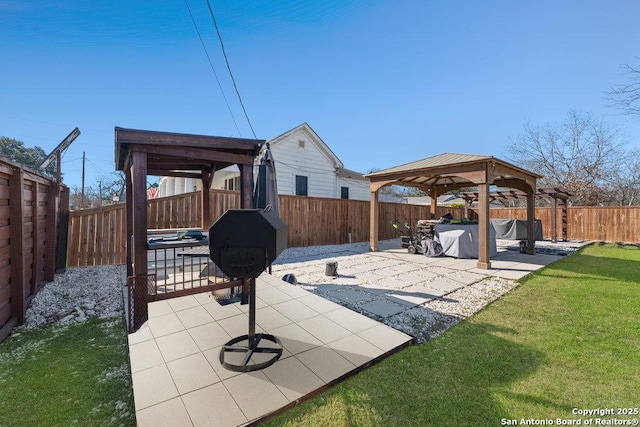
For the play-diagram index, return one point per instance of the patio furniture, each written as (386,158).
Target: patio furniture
(461,240)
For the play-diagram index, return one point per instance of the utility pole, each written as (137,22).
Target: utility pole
(82,198)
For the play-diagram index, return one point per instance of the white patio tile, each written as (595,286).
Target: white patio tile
(191,373)
(213,406)
(255,394)
(350,320)
(142,334)
(324,328)
(319,304)
(269,318)
(295,339)
(295,310)
(194,316)
(272,295)
(293,378)
(177,345)
(183,303)
(169,413)
(326,363)
(165,325)
(159,308)
(144,355)
(209,336)
(219,312)
(384,337)
(355,349)
(152,386)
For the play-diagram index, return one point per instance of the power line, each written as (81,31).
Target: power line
(213,69)
(224,52)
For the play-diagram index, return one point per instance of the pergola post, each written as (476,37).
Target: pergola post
(373,222)
(531,219)
(246,186)
(484,253)
(205,208)
(554,220)
(564,220)
(129,213)
(139,179)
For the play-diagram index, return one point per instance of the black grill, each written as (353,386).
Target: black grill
(244,242)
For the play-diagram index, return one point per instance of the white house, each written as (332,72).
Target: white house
(305,166)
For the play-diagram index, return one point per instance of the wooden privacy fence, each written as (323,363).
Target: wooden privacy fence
(98,236)
(599,223)
(33,236)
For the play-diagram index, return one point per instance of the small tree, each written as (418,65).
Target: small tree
(626,96)
(32,158)
(582,154)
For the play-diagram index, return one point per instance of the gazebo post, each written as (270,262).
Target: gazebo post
(484,259)
(373,221)
(531,219)
(433,193)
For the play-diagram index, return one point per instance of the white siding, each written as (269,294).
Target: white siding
(220,176)
(358,190)
(170,185)
(292,159)
(311,158)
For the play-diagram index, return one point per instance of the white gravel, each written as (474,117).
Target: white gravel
(84,292)
(78,294)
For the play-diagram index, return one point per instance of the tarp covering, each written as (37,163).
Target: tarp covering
(461,241)
(515,229)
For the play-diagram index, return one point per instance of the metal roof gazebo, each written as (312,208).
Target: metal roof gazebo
(450,171)
(140,153)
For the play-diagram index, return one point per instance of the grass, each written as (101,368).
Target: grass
(568,337)
(67,375)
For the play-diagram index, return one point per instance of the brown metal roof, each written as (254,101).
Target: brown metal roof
(450,171)
(446,159)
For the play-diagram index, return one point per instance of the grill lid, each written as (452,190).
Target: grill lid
(244,242)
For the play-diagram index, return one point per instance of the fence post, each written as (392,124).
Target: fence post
(16,221)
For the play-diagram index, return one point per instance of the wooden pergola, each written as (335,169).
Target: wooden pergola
(140,153)
(450,171)
(556,196)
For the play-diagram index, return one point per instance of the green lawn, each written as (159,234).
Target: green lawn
(67,375)
(568,337)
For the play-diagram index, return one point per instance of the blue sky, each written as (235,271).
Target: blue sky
(382,82)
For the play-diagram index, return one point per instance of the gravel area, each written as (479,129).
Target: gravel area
(78,294)
(427,321)
(84,292)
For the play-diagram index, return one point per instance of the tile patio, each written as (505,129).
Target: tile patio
(178,379)
(177,376)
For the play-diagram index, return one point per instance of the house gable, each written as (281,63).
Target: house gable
(301,153)
(305,133)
